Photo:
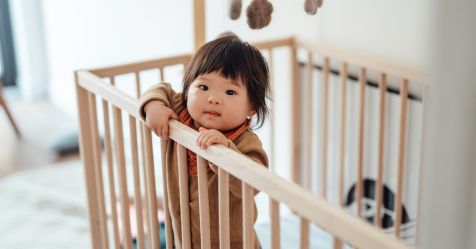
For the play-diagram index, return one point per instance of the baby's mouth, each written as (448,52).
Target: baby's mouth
(212,113)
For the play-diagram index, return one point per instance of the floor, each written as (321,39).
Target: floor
(41,125)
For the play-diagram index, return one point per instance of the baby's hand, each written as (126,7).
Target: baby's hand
(210,136)
(157,117)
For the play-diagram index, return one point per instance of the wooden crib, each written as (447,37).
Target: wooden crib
(106,167)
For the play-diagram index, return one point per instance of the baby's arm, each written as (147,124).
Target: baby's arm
(157,105)
(157,117)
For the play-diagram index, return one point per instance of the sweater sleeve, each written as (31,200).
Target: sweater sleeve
(250,146)
(164,93)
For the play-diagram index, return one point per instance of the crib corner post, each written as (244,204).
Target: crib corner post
(296,114)
(87,157)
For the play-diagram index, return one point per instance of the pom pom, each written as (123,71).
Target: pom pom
(235,9)
(310,6)
(259,14)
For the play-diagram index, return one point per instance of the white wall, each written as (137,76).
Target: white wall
(448,200)
(88,34)
(29,39)
(85,34)
(397,30)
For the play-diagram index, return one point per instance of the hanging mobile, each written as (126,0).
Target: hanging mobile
(310,6)
(259,14)
(235,9)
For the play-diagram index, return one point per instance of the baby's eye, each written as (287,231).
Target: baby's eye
(230,92)
(203,87)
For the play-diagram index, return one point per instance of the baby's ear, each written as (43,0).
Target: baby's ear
(251,113)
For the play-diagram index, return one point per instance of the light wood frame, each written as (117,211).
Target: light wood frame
(312,209)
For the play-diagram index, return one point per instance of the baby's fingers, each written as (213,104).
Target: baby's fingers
(201,140)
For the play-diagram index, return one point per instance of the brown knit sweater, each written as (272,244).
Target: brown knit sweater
(247,143)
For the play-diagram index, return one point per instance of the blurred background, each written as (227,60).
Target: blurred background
(43,42)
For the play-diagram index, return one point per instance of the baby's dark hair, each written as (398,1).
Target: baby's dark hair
(233,59)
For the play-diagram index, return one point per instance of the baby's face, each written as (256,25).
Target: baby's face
(215,102)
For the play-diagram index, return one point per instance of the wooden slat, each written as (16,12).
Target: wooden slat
(121,170)
(144,161)
(162,75)
(325,120)
(203,207)
(343,106)
(98,171)
(272,111)
(309,129)
(359,184)
(136,175)
(223,208)
(273,205)
(151,199)
(168,222)
(87,157)
(110,173)
(401,155)
(141,66)
(381,145)
(138,85)
(295,117)
(183,189)
(247,201)
(275,224)
(198,23)
(316,210)
(304,235)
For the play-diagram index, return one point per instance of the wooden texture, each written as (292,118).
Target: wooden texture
(168,222)
(87,157)
(110,173)
(204,209)
(121,171)
(224,208)
(360,162)
(183,189)
(401,155)
(98,170)
(296,166)
(247,201)
(381,147)
(325,124)
(149,179)
(199,27)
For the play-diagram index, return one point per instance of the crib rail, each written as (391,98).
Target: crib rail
(316,210)
(406,79)
(344,227)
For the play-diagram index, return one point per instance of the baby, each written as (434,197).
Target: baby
(225,86)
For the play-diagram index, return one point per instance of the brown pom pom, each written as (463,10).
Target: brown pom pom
(310,6)
(259,14)
(235,9)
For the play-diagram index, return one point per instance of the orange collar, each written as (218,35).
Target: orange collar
(185,118)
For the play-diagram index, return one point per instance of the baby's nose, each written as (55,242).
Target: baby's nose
(213,100)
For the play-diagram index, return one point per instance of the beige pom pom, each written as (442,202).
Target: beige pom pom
(235,9)
(310,6)
(259,14)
